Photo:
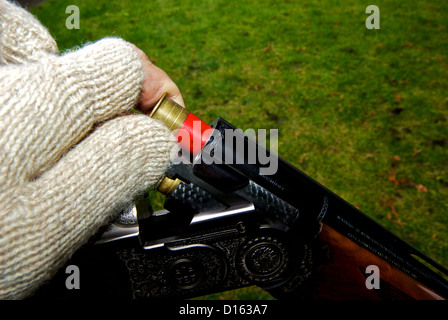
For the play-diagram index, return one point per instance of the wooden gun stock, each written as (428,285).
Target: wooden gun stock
(343,276)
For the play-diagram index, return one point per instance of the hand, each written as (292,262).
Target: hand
(61,176)
(155,83)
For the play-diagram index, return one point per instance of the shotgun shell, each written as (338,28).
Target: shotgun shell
(167,185)
(192,132)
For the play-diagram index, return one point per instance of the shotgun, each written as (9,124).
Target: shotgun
(236,215)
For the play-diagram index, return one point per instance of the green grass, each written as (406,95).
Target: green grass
(364,112)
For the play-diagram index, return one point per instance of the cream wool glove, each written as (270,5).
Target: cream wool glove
(57,186)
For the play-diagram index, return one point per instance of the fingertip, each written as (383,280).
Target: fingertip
(177,98)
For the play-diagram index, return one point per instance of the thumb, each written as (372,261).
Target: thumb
(68,203)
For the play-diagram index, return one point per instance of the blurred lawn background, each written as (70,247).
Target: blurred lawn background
(364,112)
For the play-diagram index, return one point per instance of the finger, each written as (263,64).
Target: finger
(156,83)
